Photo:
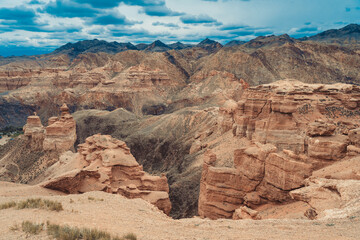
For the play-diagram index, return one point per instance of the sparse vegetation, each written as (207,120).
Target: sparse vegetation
(71,233)
(31,228)
(7,205)
(95,199)
(34,203)
(11,131)
(40,203)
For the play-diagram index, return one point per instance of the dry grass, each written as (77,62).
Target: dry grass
(40,203)
(31,228)
(34,203)
(7,205)
(71,233)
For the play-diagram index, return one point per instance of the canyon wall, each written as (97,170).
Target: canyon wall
(293,129)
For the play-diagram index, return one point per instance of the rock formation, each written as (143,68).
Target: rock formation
(60,134)
(104,163)
(294,129)
(34,132)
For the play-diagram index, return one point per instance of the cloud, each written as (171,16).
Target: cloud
(242,32)
(171,25)
(18,14)
(307,29)
(263,33)
(159,11)
(18,18)
(113,19)
(66,8)
(114,3)
(233,27)
(200,19)
(34,2)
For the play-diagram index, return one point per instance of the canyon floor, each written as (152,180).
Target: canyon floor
(118,216)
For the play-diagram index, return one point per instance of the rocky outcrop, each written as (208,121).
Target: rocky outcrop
(293,129)
(104,163)
(60,135)
(34,133)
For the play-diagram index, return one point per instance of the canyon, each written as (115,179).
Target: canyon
(257,130)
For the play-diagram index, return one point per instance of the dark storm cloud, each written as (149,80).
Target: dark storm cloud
(69,9)
(200,19)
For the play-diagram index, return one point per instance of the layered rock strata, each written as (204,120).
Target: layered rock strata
(104,163)
(59,136)
(294,129)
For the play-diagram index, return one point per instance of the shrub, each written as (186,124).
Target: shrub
(40,203)
(31,228)
(7,205)
(72,233)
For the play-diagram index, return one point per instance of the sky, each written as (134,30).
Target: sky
(40,26)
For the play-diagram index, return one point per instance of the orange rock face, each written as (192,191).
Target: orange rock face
(104,163)
(60,135)
(294,129)
(34,132)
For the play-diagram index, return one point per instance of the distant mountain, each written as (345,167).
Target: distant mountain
(157,46)
(269,41)
(141,46)
(234,43)
(94,46)
(179,46)
(209,45)
(347,35)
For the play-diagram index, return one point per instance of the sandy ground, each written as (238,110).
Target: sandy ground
(119,216)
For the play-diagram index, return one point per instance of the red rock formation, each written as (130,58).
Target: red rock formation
(104,163)
(34,133)
(294,128)
(60,135)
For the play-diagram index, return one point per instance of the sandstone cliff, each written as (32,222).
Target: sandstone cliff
(294,129)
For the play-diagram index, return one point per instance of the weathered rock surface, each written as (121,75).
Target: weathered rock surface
(294,129)
(34,133)
(60,135)
(104,163)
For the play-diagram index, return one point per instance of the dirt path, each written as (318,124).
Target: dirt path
(118,215)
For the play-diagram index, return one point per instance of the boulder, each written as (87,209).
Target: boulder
(284,172)
(245,213)
(328,148)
